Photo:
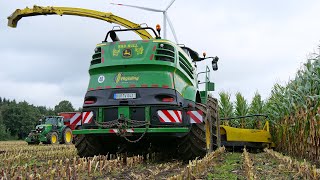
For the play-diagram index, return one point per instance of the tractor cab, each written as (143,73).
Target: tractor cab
(54,120)
(50,122)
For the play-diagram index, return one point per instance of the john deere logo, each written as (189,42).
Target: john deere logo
(101,79)
(120,77)
(127,53)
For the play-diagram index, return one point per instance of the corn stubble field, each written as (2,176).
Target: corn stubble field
(20,161)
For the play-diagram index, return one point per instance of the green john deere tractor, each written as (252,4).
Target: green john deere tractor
(50,131)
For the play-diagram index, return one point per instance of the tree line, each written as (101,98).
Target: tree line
(17,119)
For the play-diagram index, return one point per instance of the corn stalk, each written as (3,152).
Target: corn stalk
(225,106)
(198,167)
(241,108)
(248,165)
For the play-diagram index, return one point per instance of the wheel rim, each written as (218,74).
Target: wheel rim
(68,136)
(53,139)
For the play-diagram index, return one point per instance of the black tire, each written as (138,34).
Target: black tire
(90,145)
(51,139)
(213,104)
(67,137)
(194,144)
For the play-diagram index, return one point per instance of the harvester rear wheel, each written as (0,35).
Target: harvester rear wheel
(213,104)
(194,144)
(90,145)
(86,146)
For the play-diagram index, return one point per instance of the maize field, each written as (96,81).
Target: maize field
(20,161)
(295,108)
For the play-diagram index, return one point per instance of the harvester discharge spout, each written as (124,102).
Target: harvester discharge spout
(51,10)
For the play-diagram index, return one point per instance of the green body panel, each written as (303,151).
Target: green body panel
(124,110)
(100,115)
(136,130)
(141,68)
(185,81)
(128,64)
(147,113)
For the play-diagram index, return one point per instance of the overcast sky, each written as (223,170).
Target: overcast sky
(46,58)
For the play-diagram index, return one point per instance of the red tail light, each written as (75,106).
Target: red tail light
(89,102)
(167,99)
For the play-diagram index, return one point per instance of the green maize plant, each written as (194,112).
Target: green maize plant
(295,108)
(225,107)
(256,107)
(241,108)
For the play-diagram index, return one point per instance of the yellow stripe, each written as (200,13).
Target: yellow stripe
(160,40)
(164,41)
(101,44)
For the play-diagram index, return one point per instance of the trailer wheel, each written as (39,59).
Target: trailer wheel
(52,138)
(194,144)
(67,136)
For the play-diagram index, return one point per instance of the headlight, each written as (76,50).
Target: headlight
(40,129)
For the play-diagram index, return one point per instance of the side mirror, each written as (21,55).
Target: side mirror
(210,86)
(215,63)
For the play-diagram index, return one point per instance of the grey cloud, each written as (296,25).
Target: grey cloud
(46,59)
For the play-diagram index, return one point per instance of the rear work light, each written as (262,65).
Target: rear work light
(167,99)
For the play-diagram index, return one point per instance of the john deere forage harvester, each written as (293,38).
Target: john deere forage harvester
(143,95)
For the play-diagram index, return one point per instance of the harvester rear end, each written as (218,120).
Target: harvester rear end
(143,96)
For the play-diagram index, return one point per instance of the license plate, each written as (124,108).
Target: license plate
(125,96)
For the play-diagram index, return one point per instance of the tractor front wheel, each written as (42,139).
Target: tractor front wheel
(52,138)
(67,136)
